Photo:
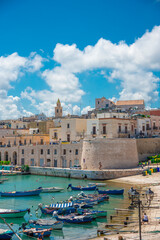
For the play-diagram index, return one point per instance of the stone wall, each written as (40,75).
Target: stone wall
(109,154)
(84,174)
(147,147)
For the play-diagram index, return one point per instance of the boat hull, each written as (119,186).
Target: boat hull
(13,213)
(51,190)
(112,192)
(91,188)
(21,194)
(36,232)
(55,226)
(6,235)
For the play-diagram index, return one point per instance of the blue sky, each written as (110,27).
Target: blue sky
(77,51)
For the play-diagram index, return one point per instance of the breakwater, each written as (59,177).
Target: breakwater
(85,174)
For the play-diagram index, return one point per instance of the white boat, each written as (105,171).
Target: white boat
(46,223)
(97,184)
(10,213)
(52,189)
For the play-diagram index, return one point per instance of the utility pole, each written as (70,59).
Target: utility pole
(139,210)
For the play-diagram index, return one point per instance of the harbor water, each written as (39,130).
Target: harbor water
(70,231)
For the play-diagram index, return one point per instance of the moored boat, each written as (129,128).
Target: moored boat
(75,219)
(97,184)
(36,232)
(34,192)
(93,213)
(10,213)
(80,188)
(5,234)
(112,192)
(52,189)
(46,223)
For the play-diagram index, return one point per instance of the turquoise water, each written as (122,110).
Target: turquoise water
(69,231)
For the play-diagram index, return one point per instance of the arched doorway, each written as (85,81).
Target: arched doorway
(14,158)
(6,156)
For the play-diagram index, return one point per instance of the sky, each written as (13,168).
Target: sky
(77,51)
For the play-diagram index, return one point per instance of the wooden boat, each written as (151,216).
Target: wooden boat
(93,213)
(52,189)
(112,192)
(46,223)
(37,232)
(80,188)
(9,173)
(97,184)
(5,234)
(75,219)
(34,192)
(9,213)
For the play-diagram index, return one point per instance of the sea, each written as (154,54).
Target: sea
(70,231)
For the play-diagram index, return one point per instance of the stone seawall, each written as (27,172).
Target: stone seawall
(147,147)
(85,174)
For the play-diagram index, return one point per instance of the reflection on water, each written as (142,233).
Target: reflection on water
(70,231)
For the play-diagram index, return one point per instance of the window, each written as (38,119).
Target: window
(24,141)
(14,142)
(41,151)
(30,141)
(57,110)
(68,125)
(22,161)
(55,151)
(64,151)
(76,152)
(32,151)
(68,137)
(126,129)
(104,129)
(98,102)
(119,128)
(55,135)
(22,151)
(55,162)
(41,141)
(32,161)
(94,129)
(48,151)
(132,128)
(143,128)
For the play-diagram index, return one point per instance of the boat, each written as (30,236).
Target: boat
(112,192)
(74,219)
(46,223)
(93,213)
(3,179)
(97,184)
(54,207)
(37,232)
(52,189)
(10,213)
(34,192)
(5,234)
(80,188)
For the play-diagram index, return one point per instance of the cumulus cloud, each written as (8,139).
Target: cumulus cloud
(86,109)
(132,64)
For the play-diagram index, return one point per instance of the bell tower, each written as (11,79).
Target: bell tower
(58,109)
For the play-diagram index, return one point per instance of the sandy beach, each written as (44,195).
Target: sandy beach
(150,230)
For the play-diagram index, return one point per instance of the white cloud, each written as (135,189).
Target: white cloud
(86,109)
(132,64)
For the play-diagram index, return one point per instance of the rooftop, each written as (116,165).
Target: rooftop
(130,102)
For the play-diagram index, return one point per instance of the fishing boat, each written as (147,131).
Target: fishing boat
(80,188)
(10,213)
(97,184)
(34,192)
(54,207)
(75,219)
(46,223)
(112,192)
(36,232)
(93,213)
(52,189)
(5,234)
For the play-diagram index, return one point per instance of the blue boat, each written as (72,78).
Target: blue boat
(75,219)
(112,192)
(37,232)
(35,192)
(5,234)
(80,188)
(46,223)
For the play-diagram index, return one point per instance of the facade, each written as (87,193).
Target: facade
(155,125)
(103,103)
(143,127)
(92,127)
(42,126)
(73,129)
(55,134)
(113,115)
(58,110)
(16,124)
(126,105)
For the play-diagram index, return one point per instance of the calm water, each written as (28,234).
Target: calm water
(69,231)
